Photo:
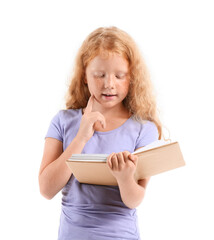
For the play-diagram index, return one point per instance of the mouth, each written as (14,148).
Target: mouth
(109,95)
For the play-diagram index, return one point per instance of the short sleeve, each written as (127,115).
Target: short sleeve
(55,128)
(148,134)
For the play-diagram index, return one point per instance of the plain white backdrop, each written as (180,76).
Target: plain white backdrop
(39,40)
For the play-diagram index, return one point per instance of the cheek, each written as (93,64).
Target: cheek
(91,89)
(125,88)
(93,86)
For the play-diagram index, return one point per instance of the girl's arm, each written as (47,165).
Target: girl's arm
(123,166)
(54,173)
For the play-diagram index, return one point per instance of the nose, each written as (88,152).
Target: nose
(109,81)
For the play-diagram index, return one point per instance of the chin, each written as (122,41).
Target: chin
(110,105)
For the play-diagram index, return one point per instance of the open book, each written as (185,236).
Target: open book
(157,157)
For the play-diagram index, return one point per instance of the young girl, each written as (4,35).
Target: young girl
(111,110)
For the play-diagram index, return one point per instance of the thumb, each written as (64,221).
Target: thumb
(133,158)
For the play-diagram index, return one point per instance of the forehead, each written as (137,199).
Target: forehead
(110,61)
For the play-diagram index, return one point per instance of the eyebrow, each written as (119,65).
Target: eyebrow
(122,72)
(117,71)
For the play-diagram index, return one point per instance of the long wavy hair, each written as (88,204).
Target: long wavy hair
(140,101)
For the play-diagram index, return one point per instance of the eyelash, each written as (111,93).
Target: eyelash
(119,77)
(103,75)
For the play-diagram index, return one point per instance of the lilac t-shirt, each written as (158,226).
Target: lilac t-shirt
(94,211)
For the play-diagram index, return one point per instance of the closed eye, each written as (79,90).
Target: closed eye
(99,75)
(120,76)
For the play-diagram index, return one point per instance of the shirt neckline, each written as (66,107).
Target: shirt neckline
(111,131)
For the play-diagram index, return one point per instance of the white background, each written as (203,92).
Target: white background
(39,40)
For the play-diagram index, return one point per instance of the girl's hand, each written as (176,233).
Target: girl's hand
(122,165)
(88,121)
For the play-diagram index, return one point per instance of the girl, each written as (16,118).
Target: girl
(111,110)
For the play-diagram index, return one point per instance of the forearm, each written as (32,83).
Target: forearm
(131,193)
(55,175)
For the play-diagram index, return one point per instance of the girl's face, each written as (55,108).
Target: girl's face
(108,79)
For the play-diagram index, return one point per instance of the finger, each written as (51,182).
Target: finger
(125,155)
(109,160)
(100,118)
(133,158)
(114,162)
(120,158)
(90,103)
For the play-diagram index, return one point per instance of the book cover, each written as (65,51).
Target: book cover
(153,159)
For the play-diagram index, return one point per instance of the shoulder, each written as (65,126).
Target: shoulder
(66,115)
(147,125)
(143,125)
(147,133)
(62,122)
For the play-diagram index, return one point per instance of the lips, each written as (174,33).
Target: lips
(109,94)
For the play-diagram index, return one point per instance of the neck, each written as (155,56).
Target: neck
(116,111)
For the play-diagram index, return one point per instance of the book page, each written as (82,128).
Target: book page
(103,157)
(89,157)
(154,144)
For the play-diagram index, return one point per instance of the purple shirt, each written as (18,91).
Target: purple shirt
(93,212)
